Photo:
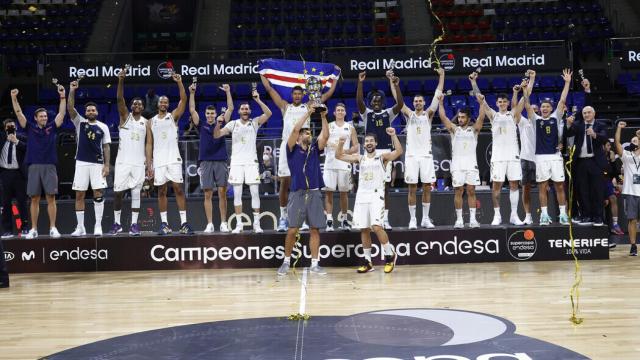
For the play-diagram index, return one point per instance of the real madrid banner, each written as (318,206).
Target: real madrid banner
(453,61)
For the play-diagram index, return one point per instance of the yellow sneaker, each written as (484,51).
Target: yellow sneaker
(366,267)
(390,262)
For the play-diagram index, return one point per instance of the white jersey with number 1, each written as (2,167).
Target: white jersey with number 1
(505,138)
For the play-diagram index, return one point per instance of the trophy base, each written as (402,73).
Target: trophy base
(320,109)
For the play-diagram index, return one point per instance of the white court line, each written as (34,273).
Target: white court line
(303,291)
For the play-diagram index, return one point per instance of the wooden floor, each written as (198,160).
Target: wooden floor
(45,313)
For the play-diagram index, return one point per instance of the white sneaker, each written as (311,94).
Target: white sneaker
(304,227)
(209,229)
(224,228)
(528,220)
(497,220)
(238,229)
(97,230)
(473,223)
(33,233)
(329,226)
(426,223)
(459,224)
(413,224)
(515,220)
(257,229)
(54,233)
(79,231)
(386,225)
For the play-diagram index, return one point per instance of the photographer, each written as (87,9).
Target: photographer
(13,178)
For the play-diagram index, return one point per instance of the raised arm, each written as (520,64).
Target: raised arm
(355,145)
(405,110)
(343,156)
(618,144)
(293,137)
(489,112)
(22,120)
(274,94)
(62,108)
(71,103)
(395,82)
(266,112)
(148,150)
(443,115)
(517,110)
(481,113)
(195,117)
(326,96)
(397,146)
(220,132)
(359,93)
(122,105)
(227,114)
(324,133)
(439,90)
(566,76)
(182,104)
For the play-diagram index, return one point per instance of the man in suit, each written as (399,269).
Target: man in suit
(13,178)
(590,161)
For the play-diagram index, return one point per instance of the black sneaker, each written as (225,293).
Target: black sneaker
(612,245)
(585,221)
(634,250)
(598,222)
(4,283)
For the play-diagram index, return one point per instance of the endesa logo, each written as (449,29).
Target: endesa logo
(8,256)
(522,244)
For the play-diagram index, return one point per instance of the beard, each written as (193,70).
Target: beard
(370,150)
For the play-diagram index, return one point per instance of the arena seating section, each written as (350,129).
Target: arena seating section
(29,29)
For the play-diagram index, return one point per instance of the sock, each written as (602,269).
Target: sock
(134,217)
(367,254)
(386,214)
(388,250)
(459,214)
(543,210)
(315,262)
(425,210)
(283,212)
(183,216)
(615,220)
(163,217)
(329,217)
(412,211)
(287,259)
(563,209)
(98,208)
(514,196)
(80,218)
(256,218)
(496,212)
(472,214)
(527,215)
(116,216)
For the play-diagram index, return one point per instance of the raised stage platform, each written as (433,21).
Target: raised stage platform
(176,252)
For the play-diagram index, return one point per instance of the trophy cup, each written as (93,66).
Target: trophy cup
(314,88)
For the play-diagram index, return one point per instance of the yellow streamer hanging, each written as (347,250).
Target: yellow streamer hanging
(574,293)
(432,52)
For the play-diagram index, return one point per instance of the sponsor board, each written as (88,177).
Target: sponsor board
(267,250)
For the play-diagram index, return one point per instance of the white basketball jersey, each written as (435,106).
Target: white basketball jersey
(463,149)
(505,138)
(131,147)
(419,135)
(335,133)
(243,141)
(291,116)
(372,174)
(165,141)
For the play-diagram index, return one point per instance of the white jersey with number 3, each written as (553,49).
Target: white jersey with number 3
(131,147)
(291,116)
(505,138)
(419,135)
(463,149)
(371,178)
(165,141)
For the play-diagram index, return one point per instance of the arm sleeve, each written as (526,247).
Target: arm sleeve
(434,103)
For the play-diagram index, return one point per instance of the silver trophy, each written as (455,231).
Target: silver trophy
(254,89)
(54,81)
(314,88)
(194,80)
(581,73)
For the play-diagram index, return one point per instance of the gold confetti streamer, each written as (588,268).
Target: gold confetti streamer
(432,52)
(574,293)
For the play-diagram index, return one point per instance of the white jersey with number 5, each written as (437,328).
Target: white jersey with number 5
(291,116)
(505,138)
(165,141)
(243,141)
(419,135)
(463,149)
(131,147)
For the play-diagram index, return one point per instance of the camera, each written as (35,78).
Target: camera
(11,130)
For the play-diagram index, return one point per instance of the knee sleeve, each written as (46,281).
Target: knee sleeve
(255,196)
(237,195)
(135,197)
